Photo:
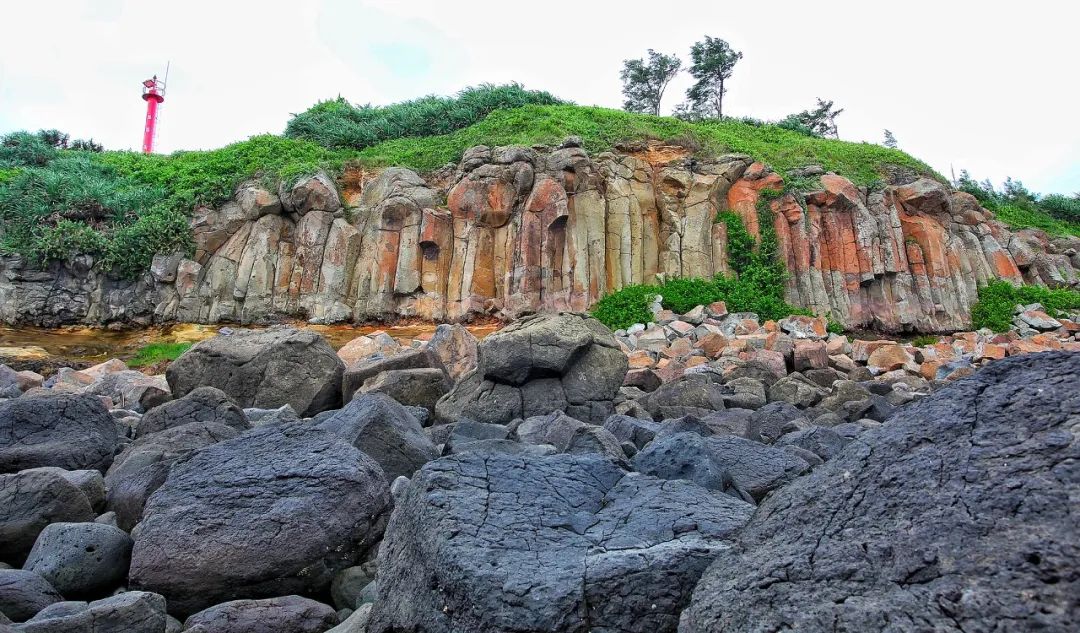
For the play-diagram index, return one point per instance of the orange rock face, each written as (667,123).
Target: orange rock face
(513,230)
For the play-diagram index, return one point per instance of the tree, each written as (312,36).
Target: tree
(712,62)
(890,140)
(644,83)
(821,121)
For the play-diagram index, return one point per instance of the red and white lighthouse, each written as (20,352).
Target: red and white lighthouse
(153,93)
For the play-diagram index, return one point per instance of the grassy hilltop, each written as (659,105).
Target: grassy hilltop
(123,207)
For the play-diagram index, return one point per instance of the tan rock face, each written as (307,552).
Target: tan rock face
(514,230)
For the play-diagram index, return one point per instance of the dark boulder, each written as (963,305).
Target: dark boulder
(819,440)
(570,543)
(723,463)
(383,429)
(957,514)
(142,467)
(24,593)
(771,421)
(81,559)
(263,369)
(539,364)
(128,612)
(29,501)
(412,387)
(693,394)
(70,431)
(285,614)
(203,404)
(634,430)
(275,511)
(356,375)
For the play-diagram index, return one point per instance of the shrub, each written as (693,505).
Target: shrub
(623,308)
(994,309)
(23,149)
(740,245)
(339,124)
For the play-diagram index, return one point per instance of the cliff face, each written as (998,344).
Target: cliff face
(513,229)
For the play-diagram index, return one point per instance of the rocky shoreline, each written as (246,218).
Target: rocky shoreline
(702,472)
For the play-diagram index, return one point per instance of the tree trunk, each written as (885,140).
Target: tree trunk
(720,101)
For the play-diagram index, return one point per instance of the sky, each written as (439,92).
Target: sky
(987,86)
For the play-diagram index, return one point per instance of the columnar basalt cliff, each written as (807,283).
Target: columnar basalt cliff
(515,229)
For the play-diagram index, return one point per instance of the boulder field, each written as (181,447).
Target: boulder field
(547,489)
(512,230)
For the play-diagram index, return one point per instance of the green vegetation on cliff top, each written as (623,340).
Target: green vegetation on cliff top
(122,207)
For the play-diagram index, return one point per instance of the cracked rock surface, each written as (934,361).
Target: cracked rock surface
(275,511)
(569,543)
(68,431)
(958,514)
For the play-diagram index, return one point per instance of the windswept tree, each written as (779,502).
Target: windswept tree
(890,140)
(821,121)
(644,82)
(712,62)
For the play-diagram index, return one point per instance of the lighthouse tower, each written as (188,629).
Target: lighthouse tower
(153,94)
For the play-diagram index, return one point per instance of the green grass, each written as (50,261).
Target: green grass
(924,340)
(601,129)
(210,177)
(156,352)
(994,309)
(1020,218)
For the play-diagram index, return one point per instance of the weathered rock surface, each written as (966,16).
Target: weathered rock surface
(29,501)
(285,614)
(523,230)
(539,364)
(744,469)
(129,612)
(957,514)
(487,542)
(275,511)
(142,467)
(81,559)
(203,404)
(65,430)
(264,369)
(385,431)
(24,593)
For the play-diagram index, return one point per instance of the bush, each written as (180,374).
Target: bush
(339,124)
(740,245)
(621,309)
(994,309)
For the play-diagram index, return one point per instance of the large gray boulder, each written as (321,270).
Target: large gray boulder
(143,466)
(571,543)
(29,501)
(957,514)
(263,369)
(275,511)
(384,430)
(81,559)
(203,404)
(725,463)
(70,431)
(413,387)
(129,612)
(693,394)
(284,614)
(539,364)
(24,593)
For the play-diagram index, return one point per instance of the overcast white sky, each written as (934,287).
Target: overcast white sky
(987,86)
